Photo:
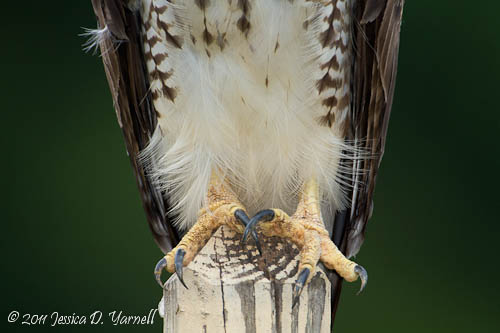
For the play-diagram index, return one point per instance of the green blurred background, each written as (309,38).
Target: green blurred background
(75,239)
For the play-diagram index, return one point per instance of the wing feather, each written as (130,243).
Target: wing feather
(376,29)
(376,37)
(123,58)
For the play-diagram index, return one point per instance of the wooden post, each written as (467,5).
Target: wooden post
(233,289)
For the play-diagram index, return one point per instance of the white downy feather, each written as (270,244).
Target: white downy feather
(265,138)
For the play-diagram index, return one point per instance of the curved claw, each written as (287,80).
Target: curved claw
(257,242)
(299,285)
(263,215)
(363,276)
(241,216)
(179,261)
(158,269)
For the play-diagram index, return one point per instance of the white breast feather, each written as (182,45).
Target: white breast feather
(266,139)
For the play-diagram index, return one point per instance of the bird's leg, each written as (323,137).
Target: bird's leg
(306,229)
(222,208)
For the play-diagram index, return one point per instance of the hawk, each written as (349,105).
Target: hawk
(232,107)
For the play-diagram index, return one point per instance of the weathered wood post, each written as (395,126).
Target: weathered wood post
(233,289)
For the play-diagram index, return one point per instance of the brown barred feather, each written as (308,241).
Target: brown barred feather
(376,30)
(376,37)
(128,81)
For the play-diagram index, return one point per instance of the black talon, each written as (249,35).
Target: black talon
(179,261)
(363,276)
(263,215)
(158,269)
(257,242)
(241,216)
(299,285)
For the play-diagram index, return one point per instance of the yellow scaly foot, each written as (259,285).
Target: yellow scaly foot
(306,229)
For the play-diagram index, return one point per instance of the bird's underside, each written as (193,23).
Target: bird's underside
(266,116)
(235,102)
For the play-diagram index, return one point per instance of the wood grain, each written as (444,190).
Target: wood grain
(233,289)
